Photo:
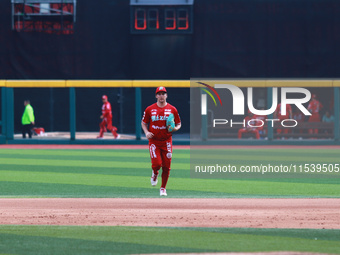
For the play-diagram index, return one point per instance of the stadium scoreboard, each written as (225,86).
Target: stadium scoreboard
(161,17)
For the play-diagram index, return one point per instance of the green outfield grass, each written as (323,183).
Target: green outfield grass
(43,240)
(126,173)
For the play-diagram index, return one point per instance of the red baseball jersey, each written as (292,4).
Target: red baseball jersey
(106,110)
(261,119)
(314,106)
(288,110)
(253,121)
(156,117)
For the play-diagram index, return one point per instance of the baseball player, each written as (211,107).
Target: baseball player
(279,115)
(314,108)
(160,139)
(106,117)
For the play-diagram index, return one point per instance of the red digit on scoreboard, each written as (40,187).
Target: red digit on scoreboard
(170,19)
(140,19)
(153,19)
(182,19)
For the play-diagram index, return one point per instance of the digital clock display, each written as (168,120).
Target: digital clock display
(161,19)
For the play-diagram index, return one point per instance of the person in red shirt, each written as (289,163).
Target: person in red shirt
(160,139)
(106,117)
(314,108)
(261,119)
(299,117)
(279,115)
(250,129)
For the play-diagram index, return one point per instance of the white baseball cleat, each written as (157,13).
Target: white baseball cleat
(162,192)
(154,179)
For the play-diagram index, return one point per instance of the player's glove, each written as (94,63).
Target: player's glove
(170,122)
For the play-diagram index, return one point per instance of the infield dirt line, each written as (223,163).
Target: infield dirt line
(173,212)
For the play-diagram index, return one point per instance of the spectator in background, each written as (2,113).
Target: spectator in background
(327,117)
(248,128)
(314,108)
(27,119)
(279,115)
(261,119)
(299,117)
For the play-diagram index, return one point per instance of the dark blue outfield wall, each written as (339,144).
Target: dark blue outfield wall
(52,109)
(231,39)
(7,121)
(74,109)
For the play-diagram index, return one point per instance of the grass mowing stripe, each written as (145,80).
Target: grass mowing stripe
(250,159)
(264,152)
(79,152)
(72,158)
(90,170)
(85,153)
(87,158)
(312,234)
(37,245)
(223,186)
(47,190)
(84,163)
(116,170)
(254,187)
(180,237)
(262,156)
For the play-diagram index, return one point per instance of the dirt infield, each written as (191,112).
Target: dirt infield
(245,213)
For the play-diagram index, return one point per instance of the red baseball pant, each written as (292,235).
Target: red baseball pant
(105,125)
(314,118)
(282,130)
(161,154)
(252,131)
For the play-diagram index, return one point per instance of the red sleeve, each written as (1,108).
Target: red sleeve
(146,116)
(177,118)
(309,106)
(277,110)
